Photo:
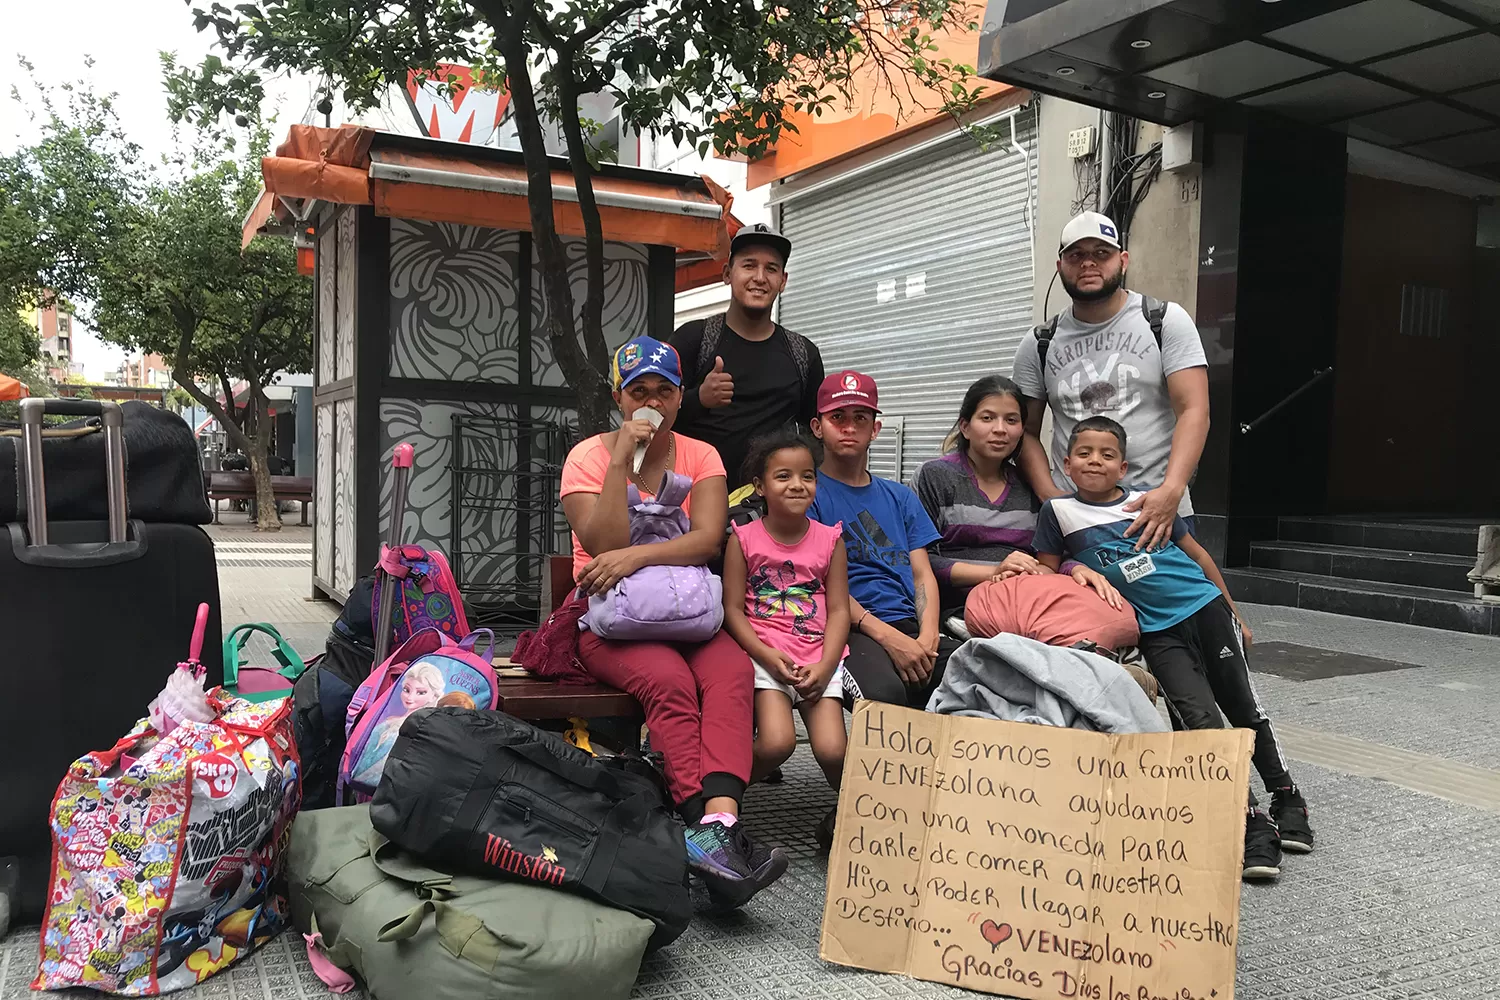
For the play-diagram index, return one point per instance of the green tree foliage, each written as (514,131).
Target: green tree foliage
(20,351)
(715,73)
(66,197)
(81,199)
(178,400)
(180,286)
(154,257)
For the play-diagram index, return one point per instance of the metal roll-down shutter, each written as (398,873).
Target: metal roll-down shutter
(920,275)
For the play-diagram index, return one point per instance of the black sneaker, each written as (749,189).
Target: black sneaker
(824,832)
(732,865)
(1262,848)
(1289,813)
(775,777)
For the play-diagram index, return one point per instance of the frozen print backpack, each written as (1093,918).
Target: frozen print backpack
(430,670)
(662,603)
(428,594)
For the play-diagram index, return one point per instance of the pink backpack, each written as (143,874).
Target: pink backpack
(427,594)
(429,670)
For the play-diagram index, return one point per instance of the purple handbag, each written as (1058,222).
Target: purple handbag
(659,603)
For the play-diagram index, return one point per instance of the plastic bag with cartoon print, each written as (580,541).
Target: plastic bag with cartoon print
(168,851)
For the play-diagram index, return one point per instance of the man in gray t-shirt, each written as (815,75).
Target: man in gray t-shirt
(1104,360)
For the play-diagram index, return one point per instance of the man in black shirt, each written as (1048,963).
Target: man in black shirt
(746,375)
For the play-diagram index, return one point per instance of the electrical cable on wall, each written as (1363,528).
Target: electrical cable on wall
(1085,183)
(1131,173)
(1131,176)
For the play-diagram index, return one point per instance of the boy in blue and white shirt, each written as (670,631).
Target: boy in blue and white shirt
(1190,629)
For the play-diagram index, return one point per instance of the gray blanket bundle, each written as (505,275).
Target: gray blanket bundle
(1021,680)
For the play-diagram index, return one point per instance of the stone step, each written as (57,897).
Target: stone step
(1460,539)
(1384,565)
(1389,602)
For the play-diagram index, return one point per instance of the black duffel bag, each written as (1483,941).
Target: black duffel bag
(163,473)
(486,793)
(320,701)
(323,692)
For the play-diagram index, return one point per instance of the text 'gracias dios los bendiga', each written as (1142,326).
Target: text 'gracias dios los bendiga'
(1039,862)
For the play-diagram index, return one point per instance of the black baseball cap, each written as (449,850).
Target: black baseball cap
(760,234)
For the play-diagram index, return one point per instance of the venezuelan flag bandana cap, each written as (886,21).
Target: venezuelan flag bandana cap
(645,356)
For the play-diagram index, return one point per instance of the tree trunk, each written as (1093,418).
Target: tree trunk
(593,228)
(257,448)
(257,423)
(212,405)
(585,373)
(267,517)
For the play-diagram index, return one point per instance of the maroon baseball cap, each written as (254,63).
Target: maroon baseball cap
(847,388)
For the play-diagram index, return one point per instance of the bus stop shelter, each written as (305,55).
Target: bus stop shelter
(431,328)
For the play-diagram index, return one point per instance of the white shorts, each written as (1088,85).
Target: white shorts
(764,681)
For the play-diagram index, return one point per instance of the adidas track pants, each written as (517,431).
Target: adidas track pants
(1200,663)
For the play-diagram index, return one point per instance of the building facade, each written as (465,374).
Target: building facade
(914,264)
(147,370)
(1315,183)
(1342,163)
(54,325)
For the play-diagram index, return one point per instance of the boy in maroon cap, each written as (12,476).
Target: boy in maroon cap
(896,652)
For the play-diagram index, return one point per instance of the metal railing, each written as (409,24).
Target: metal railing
(1287,400)
(507,520)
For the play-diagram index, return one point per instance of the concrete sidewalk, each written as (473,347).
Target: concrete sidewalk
(1400,763)
(268,577)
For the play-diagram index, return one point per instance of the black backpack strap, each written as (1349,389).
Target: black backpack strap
(713,329)
(1044,335)
(713,332)
(1155,311)
(797,344)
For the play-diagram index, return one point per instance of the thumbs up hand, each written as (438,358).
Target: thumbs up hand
(718,387)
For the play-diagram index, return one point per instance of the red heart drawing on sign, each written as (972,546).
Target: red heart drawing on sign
(995,934)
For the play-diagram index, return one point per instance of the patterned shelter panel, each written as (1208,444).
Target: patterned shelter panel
(508,512)
(348,262)
(626,292)
(327,302)
(323,510)
(344,484)
(454,309)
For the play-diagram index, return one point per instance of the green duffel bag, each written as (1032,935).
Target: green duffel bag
(410,932)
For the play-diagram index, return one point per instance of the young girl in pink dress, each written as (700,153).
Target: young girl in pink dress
(786,601)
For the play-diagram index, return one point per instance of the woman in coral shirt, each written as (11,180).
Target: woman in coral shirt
(697,697)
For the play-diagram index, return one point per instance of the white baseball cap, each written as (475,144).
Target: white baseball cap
(1089,225)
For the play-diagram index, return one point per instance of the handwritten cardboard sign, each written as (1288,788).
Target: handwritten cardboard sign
(1039,862)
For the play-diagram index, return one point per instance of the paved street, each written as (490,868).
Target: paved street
(1400,763)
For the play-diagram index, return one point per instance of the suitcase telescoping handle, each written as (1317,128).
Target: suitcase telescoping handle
(114,459)
(400,478)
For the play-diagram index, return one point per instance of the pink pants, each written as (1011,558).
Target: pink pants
(698,702)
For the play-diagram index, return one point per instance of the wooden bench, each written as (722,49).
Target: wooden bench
(536,698)
(241,486)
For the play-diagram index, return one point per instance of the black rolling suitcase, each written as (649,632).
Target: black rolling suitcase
(93,615)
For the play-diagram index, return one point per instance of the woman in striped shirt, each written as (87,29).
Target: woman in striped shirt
(983,507)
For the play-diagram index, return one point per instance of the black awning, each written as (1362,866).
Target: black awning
(1422,76)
